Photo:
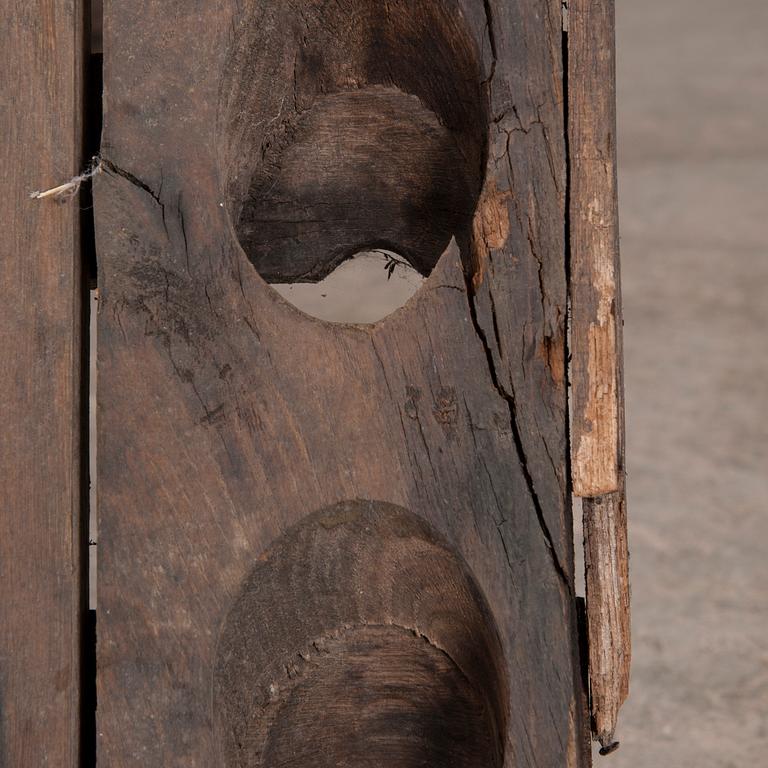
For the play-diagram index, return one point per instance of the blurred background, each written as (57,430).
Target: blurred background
(693,173)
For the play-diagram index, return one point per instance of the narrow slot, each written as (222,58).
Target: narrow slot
(91,139)
(575,502)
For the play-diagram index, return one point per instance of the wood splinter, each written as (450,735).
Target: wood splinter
(597,444)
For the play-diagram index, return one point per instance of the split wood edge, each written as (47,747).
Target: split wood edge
(597,436)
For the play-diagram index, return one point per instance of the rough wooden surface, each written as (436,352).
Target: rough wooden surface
(227,418)
(382,652)
(597,459)
(40,533)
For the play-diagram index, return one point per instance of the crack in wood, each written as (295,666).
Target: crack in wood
(509,399)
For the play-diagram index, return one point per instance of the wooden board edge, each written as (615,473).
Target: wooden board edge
(597,437)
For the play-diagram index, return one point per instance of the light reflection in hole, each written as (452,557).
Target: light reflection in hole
(363,289)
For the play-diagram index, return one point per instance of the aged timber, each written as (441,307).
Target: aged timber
(284,501)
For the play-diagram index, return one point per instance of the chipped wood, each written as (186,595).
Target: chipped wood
(597,438)
(490,228)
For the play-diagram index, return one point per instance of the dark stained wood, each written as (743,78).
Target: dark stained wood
(243,612)
(41,594)
(597,356)
(382,652)
(378,142)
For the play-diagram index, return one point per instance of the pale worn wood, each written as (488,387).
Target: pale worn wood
(41,596)
(597,439)
(334,537)
(425,690)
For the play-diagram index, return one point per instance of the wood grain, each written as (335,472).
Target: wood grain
(41,596)
(378,648)
(229,420)
(597,459)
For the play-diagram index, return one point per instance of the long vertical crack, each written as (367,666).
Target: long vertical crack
(509,399)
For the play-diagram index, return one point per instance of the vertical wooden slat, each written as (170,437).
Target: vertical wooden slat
(40,319)
(596,346)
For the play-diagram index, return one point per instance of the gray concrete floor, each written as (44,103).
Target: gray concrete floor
(693,138)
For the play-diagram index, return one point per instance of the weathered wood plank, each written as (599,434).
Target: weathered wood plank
(606,559)
(281,497)
(597,439)
(597,458)
(41,596)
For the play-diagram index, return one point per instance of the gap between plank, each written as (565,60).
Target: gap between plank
(91,139)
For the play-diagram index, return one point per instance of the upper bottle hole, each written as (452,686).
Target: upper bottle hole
(349,127)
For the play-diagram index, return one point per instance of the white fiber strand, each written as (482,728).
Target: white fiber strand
(70,188)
